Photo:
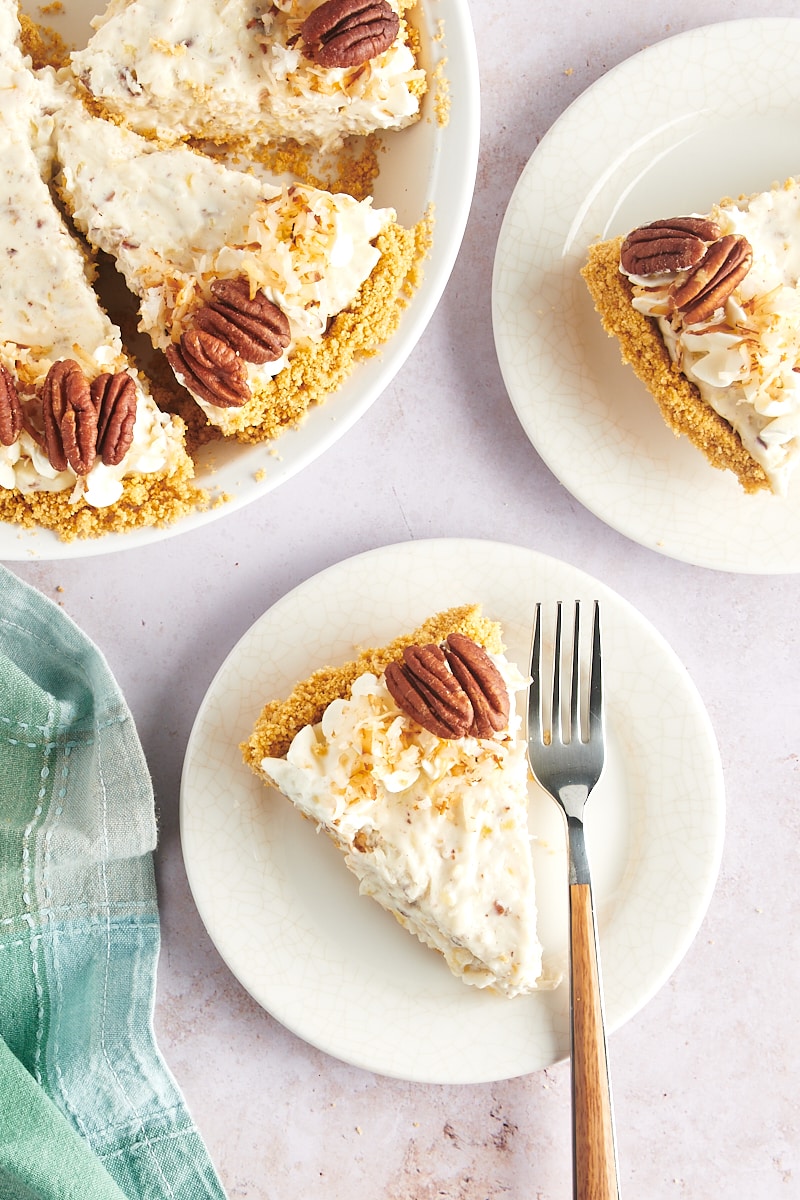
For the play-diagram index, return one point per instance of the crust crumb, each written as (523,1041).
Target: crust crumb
(146,501)
(42,44)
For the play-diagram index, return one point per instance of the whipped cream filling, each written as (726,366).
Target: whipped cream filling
(224,71)
(745,360)
(436,830)
(175,221)
(156,440)
(50,311)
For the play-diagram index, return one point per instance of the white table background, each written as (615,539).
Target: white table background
(705,1076)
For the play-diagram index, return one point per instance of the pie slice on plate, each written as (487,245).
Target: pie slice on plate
(412,759)
(706,309)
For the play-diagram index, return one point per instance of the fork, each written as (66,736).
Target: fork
(568,766)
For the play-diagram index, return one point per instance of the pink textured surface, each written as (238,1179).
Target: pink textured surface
(705,1079)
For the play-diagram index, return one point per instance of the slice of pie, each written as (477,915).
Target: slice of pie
(234,70)
(412,759)
(239,282)
(83,447)
(706,309)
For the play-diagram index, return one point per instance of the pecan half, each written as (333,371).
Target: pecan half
(709,284)
(347,33)
(483,683)
(667,246)
(10,408)
(114,399)
(70,420)
(424,687)
(210,368)
(450,690)
(256,328)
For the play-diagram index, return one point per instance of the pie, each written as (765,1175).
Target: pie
(182,147)
(412,759)
(706,309)
(258,73)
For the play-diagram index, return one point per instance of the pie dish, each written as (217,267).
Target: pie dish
(234,474)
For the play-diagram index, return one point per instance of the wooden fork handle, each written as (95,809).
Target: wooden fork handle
(594,1151)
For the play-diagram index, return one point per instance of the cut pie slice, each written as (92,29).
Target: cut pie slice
(83,447)
(411,758)
(239,282)
(238,71)
(706,309)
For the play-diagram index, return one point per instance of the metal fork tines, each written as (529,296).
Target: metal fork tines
(568,765)
(566,754)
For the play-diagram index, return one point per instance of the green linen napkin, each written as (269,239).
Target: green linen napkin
(88,1109)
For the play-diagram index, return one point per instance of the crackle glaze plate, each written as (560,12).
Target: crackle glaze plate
(428,167)
(706,114)
(331,965)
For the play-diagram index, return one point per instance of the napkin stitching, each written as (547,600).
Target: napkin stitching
(125,1096)
(77,906)
(64,1091)
(34,938)
(46,915)
(26,917)
(57,811)
(59,649)
(73,743)
(120,1126)
(23,724)
(161,1137)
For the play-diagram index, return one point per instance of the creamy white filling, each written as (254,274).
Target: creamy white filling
(50,311)
(155,438)
(157,446)
(745,361)
(442,826)
(228,70)
(175,221)
(48,303)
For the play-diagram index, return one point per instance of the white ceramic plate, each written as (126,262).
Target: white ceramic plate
(332,966)
(427,164)
(706,114)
